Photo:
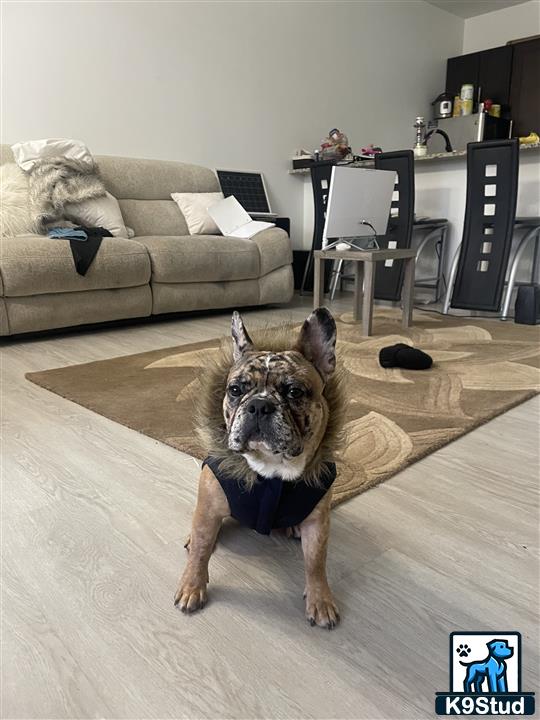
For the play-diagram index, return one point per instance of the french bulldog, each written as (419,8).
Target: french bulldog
(271,418)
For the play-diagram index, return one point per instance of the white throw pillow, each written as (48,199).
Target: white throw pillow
(98,212)
(194,208)
(15,216)
(27,153)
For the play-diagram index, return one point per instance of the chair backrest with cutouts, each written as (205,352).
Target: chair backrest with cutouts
(389,275)
(490,213)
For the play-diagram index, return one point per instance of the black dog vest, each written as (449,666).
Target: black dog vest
(271,502)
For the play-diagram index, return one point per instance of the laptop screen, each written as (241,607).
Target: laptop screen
(247,187)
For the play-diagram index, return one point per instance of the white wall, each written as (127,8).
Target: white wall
(223,84)
(497,28)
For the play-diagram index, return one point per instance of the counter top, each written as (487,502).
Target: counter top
(426,158)
(463,153)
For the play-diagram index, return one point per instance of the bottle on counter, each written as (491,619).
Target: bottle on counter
(420,148)
(457,106)
(466,95)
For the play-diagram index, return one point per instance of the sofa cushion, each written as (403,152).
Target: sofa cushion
(201,258)
(153,217)
(37,264)
(214,258)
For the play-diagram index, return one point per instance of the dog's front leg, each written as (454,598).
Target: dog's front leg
(321,608)
(212,507)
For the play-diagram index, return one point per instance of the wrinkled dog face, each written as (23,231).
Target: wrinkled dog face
(274,408)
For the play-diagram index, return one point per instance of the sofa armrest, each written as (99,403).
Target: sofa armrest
(275,249)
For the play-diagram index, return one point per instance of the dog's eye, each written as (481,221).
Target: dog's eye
(235,390)
(294,392)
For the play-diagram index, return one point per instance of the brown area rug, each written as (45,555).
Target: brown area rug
(481,369)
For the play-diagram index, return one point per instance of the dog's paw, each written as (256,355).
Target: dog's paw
(463,650)
(190,597)
(321,609)
(187,543)
(293,532)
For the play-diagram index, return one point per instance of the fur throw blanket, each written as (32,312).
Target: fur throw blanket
(54,182)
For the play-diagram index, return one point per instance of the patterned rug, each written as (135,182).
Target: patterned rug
(481,369)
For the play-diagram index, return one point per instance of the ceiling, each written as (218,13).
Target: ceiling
(475,7)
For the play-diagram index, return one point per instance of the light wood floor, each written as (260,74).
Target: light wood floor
(94,517)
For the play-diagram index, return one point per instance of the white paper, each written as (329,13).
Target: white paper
(233,220)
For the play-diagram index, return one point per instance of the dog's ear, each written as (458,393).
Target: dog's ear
(241,340)
(317,341)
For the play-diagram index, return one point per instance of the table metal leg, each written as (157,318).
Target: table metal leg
(369,289)
(407,294)
(358,290)
(318,282)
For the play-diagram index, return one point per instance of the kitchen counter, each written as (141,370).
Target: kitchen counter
(463,153)
(426,158)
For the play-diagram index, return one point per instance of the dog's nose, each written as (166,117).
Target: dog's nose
(260,406)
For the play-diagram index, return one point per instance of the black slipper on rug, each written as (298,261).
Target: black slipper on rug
(404,356)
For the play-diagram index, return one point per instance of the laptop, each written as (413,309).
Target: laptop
(249,189)
(359,202)
(233,220)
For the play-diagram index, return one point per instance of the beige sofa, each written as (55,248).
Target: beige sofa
(162,269)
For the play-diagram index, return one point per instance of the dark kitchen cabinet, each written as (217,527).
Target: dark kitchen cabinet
(489,70)
(525,88)
(494,72)
(460,71)
(508,75)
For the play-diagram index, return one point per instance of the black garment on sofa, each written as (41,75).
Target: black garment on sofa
(85,251)
(272,502)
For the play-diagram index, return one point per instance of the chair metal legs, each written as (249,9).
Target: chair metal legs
(532,234)
(336,275)
(439,236)
(451,281)
(525,240)
(306,272)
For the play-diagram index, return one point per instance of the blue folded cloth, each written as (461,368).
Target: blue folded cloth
(68,233)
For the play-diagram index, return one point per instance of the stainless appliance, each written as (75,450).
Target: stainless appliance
(471,128)
(442,106)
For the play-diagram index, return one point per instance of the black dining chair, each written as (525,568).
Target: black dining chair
(401,224)
(321,174)
(481,261)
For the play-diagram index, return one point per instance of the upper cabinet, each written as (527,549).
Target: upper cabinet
(525,88)
(489,71)
(460,71)
(494,71)
(508,75)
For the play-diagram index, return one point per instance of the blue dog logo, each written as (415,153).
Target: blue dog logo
(485,675)
(493,668)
